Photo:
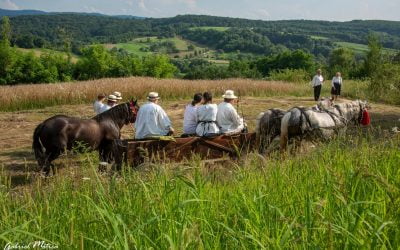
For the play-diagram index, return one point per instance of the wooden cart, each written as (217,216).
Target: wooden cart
(136,152)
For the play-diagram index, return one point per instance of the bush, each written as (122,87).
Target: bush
(385,84)
(290,75)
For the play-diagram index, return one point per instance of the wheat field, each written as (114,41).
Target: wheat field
(22,97)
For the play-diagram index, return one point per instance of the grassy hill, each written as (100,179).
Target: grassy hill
(38,52)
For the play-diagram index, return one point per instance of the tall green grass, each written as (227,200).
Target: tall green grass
(343,195)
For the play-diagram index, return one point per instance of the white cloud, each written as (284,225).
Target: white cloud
(8,4)
(91,9)
(262,13)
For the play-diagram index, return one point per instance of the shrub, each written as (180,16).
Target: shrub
(290,75)
(385,84)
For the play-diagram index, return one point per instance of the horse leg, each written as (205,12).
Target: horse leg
(48,165)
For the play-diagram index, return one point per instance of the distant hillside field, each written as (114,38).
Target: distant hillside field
(222,34)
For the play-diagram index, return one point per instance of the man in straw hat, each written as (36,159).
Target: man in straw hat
(117,95)
(228,119)
(111,102)
(152,121)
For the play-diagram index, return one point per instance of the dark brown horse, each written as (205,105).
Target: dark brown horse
(60,133)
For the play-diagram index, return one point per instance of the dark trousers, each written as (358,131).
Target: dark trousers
(317,92)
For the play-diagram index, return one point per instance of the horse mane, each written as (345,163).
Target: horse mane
(119,114)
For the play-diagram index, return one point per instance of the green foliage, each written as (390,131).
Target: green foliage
(344,195)
(5,30)
(374,59)
(158,66)
(290,75)
(385,83)
(297,59)
(342,60)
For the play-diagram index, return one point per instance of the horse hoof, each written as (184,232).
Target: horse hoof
(103,166)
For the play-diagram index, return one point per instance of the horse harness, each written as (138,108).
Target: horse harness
(311,129)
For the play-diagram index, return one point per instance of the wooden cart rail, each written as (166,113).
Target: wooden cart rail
(134,152)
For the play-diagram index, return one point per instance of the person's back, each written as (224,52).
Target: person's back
(152,121)
(190,120)
(190,116)
(207,117)
(228,119)
(207,120)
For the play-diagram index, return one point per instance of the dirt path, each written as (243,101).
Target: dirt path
(17,128)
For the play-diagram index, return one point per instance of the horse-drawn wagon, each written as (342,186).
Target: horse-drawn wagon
(136,152)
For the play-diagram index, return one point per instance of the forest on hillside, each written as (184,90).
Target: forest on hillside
(253,36)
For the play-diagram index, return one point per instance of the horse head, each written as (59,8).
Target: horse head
(134,108)
(324,104)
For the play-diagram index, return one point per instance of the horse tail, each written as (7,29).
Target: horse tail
(258,122)
(37,145)
(285,131)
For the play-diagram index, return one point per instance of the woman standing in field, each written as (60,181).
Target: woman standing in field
(336,86)
(316,83)
(207,117)
(190,116)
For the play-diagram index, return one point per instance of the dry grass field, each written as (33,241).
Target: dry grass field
(22,97)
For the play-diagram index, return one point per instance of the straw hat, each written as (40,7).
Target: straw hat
(229,94)
(118,95)
(112,98)
(153,96)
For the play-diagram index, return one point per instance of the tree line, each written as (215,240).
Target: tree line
(50,31)
(95,62)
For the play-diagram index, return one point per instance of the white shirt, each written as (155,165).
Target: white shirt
(207,117)
(97,105)
(337,80)
(104,108)
(190,120)
(151,121)
(228,119)
(317,80)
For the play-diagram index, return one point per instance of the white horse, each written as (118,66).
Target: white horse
(323,123)
(268,124)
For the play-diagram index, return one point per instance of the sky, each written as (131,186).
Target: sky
(333,10)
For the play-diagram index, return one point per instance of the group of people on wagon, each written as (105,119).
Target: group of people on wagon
(103,104)
(201,118)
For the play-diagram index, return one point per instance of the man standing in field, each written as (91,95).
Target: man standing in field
(152,121)
(98,104)
(111,102)
(228,119)
(316,83)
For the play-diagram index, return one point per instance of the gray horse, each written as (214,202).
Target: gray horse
(324,123)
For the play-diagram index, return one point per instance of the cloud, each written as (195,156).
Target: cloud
(91,9)
(262,13)
(8,4)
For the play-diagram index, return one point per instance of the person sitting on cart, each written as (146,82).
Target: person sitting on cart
(152,121)
(207,117)
(111,102)
(227,117)
(190,116)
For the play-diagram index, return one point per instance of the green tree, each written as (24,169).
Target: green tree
(7,54)
(5,30)
(374,59)
(342,60)
(158,66)
(94,63)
